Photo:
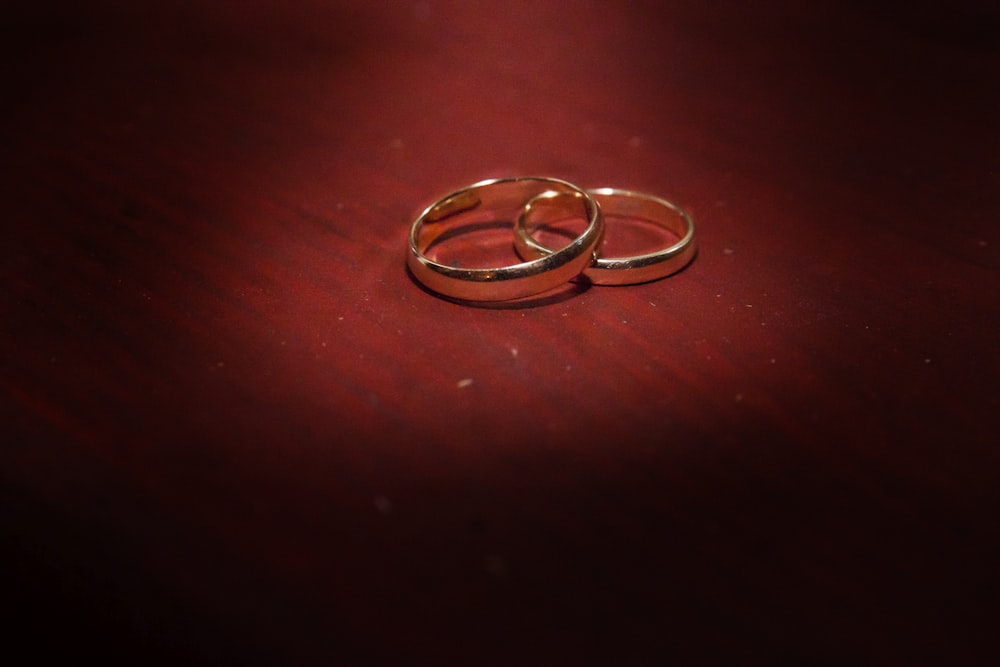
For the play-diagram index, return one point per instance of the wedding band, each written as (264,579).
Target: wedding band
(489,201)
(616,203)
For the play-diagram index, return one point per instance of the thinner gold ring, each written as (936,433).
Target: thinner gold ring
(502,199)
(625,204)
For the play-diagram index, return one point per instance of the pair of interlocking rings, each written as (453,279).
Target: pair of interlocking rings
(525,200)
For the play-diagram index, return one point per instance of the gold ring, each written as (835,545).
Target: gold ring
(627,204)
(503,200)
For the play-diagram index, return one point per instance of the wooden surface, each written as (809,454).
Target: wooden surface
(236,431)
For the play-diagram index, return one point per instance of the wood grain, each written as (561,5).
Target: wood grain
(238,431)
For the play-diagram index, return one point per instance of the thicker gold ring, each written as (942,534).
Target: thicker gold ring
(617,203)
(492,198)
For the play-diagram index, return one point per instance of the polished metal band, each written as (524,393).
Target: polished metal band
(502,198)
(616,203)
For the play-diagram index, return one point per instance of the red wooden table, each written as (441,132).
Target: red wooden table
(237,431)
